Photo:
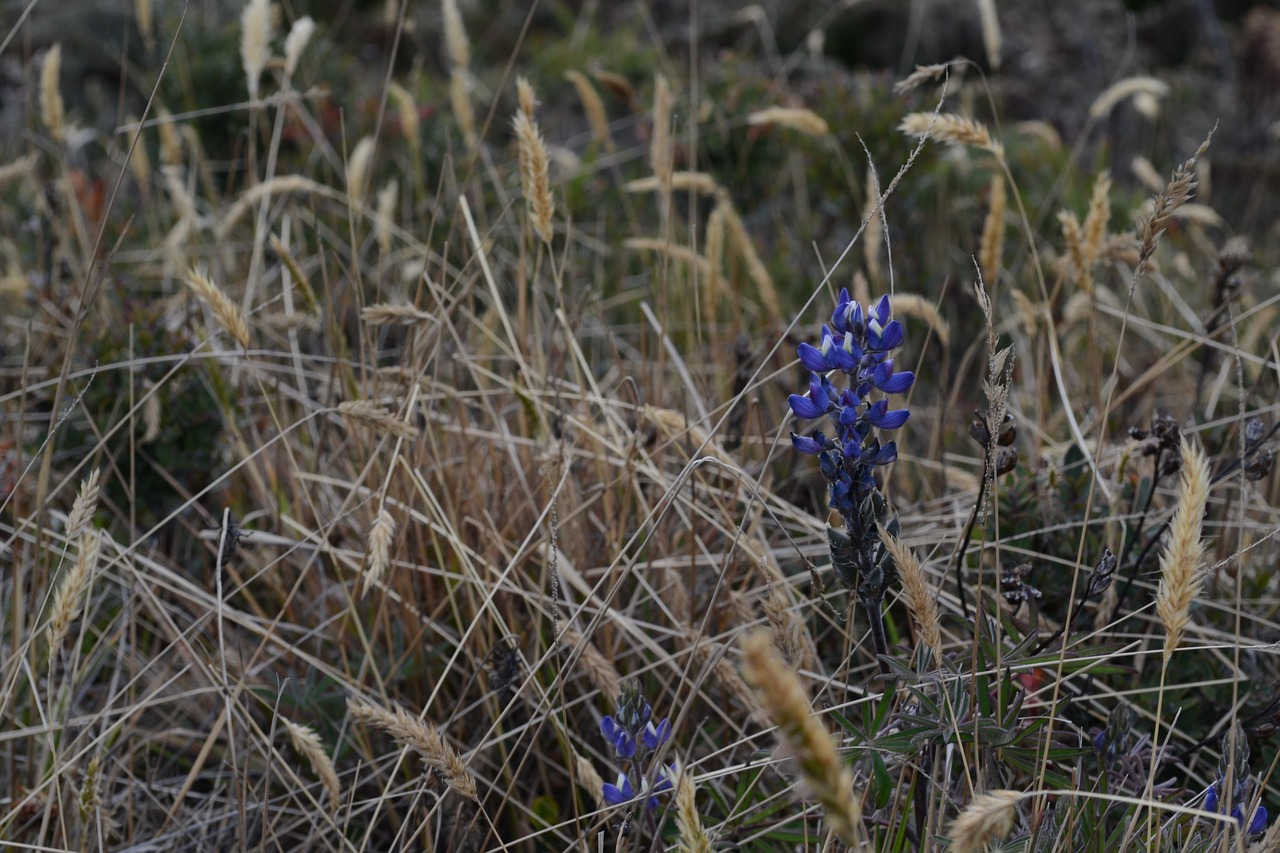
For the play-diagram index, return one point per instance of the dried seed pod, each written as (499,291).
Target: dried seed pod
(1258,466)
(1006,460)
(1013,584)
(1100,577)
(978,429)
(1008,431)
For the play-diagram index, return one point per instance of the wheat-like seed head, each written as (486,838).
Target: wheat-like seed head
(597,667)
(736,230)
(387,314)
(593,106)
(226,312)
(255,42)
(407,109)
(52,112)
(693,838)
(714,279)
(85,505)
(827,777)
(795,118)
(991,249)
(373,415)
(256,193)
(923,74)
(989,817)
(420,736)
(535,173)
(388,197)
(921,600)
(308,744)
(525,97)
(1073,236)
(460,101)
(991,39)
(456,44)
(296,42)
(381,537)
(1095,221)
(1175,195)
(660,152)
(1126,88)
(667,249)
(1183,554)
(66,601)
(358,167)
(698,182)
(589,778)
(955,129)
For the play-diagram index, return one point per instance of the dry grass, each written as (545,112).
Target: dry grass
(562,464)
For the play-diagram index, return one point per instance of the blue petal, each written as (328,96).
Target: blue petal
(812,358)
(619,793)
(1211,798)
(609,728)
(885,454)
(840,317)
(882,310)
(805,408)
(1259,821)
(654,736)
(843,359)
(880,416)
(807,445)
(624,745)
(897,382)
(892,336)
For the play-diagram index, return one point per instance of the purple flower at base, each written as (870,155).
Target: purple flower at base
(624,791)
(889,382)
(624,746)
(1257,822)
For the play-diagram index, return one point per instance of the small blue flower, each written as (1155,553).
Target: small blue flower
(624,745)
(617,794)
(624,791)
(816,404)
(880,417)
(655,736)
(889,382)
(1257,822)
(810,446)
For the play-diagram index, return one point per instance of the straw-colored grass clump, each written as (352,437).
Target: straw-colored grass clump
(422,737)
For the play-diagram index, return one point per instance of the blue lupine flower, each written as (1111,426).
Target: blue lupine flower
(624,791)
(624,745)
(655,736)
(1257,822)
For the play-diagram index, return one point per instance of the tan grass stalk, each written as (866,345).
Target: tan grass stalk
(1095,221)
(620,87)
(309,746)
(597,667)
(794,118)
(952,128)
(422,737)
(872,214)
(184,205)
(457,46)
(1183,554)
(1073,235)
(789,633)
(989,817)
(255,42)
(388,197)
(144,16)
(226,312)
(66,601)
(714,279)
(759,274)
(460,101)
(660,150)
(373,415)
(923,74)
(53,113)
(84,506)
(692,837)
(922,309)
(381,537)
(589,778)
(19,168)
(386,314)
(358,167)
(139,162)
(525,97)
(991,249)
(683,254)
(296,42)
(1146,173)
(407,109)
(151,418)
(1175,195)
(170,140)
(698,182)
(1126,88)
(535,170)
(827,777)
(991,39)
(295,272)
(593,106)
(920,597)
(266,189)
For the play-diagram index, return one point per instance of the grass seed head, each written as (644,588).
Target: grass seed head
(989,817)
(1183,554)
(255,42)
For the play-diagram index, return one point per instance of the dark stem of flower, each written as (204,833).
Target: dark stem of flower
(879,639)
(957,558)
